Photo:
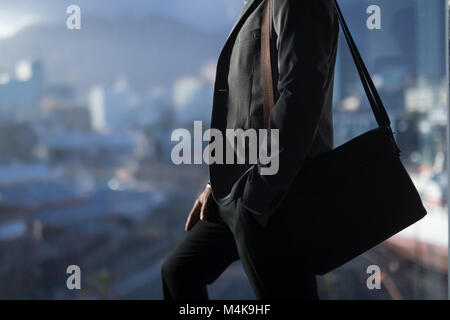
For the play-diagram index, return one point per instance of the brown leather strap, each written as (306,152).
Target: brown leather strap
(266,65)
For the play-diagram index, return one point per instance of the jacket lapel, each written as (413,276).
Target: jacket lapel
(250,5)
(221,79)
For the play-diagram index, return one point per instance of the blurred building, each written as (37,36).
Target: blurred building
(192,98)
(398,54)
(18,142)
(94,148)
(20,94)
(69,119)
(57,96)
(112,108)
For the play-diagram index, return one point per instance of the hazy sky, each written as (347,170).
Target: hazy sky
(211,15)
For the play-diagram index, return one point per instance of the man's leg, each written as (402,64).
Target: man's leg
(275,269)
(202,256)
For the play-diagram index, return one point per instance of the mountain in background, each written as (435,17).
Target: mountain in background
(149,52)
(209,15)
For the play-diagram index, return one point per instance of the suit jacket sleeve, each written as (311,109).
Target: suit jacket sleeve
(306,42)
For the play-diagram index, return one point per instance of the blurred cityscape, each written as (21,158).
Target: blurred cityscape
(85,170)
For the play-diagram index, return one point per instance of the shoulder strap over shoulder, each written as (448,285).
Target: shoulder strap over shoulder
(376,104)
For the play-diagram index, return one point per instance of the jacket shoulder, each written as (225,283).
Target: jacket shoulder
(282,10)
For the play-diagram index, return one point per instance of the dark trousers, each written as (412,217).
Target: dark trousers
(275,270)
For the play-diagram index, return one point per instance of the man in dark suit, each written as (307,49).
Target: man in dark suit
(243,214)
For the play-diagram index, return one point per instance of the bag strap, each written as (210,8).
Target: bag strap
(376,104)
(266,64)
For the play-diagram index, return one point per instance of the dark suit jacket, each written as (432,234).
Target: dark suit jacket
(304,36)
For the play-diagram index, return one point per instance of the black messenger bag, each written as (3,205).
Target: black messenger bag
(353,197)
